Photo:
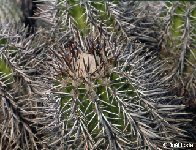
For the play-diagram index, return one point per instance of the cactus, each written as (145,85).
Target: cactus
(93,81)
(179,52)
(179,43)
(115,98)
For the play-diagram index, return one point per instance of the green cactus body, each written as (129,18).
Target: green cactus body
(180,41)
